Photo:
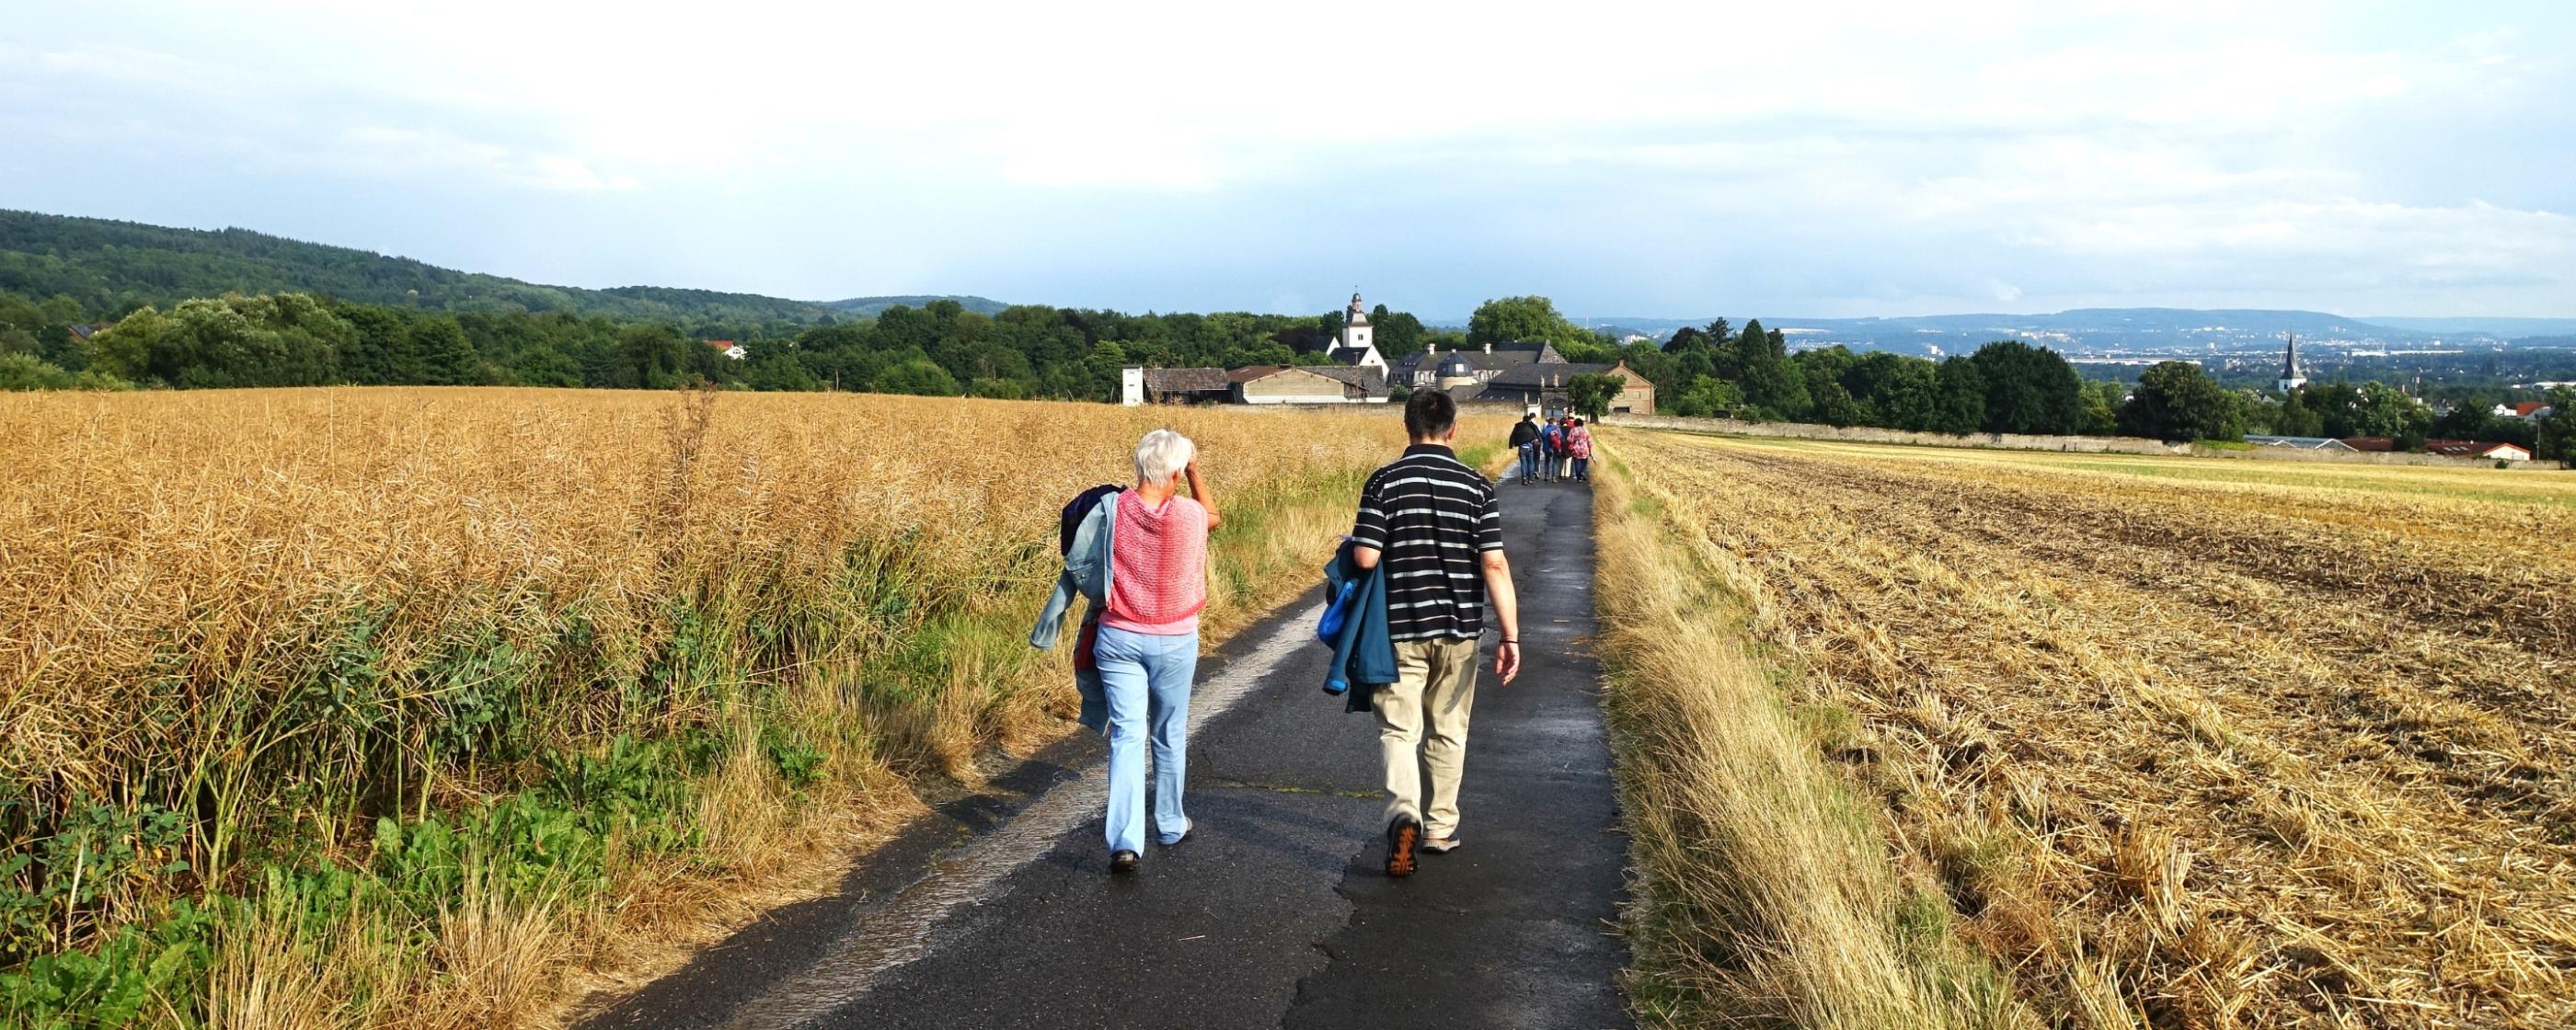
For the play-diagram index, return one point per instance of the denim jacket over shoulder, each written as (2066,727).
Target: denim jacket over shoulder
(1086,573)
(1363,651)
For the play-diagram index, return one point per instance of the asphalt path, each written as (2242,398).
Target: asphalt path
(998,911)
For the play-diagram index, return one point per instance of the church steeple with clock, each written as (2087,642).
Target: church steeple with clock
(1355,347)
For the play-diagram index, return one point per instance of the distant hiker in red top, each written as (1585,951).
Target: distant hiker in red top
(1148,651)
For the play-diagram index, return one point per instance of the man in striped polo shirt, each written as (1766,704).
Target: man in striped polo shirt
(1432,522)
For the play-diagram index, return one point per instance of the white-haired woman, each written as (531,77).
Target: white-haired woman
(1148,649)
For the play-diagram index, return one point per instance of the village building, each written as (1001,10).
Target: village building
(728,348)
(1254,384)
(1421,370)
(1178,386)
(1325,384)
(1540,387)
(2525,410)
(1524,376)
(2475,449)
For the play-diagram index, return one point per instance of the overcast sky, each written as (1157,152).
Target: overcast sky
(1673,159)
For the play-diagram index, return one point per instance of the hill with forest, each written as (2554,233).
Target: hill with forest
(871,307)
(108,266)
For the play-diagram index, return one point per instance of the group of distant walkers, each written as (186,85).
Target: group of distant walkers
(1554,450)
(1407,594)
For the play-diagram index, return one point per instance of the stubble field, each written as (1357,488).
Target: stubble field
(2170,743)
(415,707)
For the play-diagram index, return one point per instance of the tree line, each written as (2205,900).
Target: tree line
(2009,386)
(294,339)
(1035,351)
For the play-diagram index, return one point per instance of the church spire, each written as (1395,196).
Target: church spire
(2290,377)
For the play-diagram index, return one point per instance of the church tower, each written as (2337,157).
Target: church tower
(1356,348)
(2290,377)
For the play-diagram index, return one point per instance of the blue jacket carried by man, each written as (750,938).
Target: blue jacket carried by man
(1355,625)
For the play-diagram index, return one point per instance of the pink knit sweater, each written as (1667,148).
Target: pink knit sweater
(1157,567)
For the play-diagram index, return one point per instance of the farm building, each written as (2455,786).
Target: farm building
(728,348)
(1179,386)
(2474,449)
(1328,384)
(2302,443)
(1254,384)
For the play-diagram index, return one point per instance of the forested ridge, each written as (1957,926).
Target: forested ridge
(113,267)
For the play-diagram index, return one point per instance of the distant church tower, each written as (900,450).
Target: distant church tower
(2290,377)
(1356,348)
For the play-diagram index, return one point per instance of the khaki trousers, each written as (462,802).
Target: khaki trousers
(1422,727)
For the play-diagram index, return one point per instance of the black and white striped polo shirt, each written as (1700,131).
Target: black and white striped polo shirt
(1431,518)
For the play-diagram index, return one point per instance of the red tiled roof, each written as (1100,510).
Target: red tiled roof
(720,344)
(2523,409)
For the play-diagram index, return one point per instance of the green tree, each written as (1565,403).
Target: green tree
(2175,400)
(1758,361)
(1516,319)
(2296,418)
(1591,393)
(1828,400)
(2102,400)
(2029,389)
(920,376)
(1901,392)
(1959,397)
(125,349)
(1709,397)
(2558,429)
(1398,333)
(2473,419)
(443,356)
(2383,410)
(998,389)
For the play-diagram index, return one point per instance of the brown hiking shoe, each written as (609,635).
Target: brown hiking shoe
(1401,836)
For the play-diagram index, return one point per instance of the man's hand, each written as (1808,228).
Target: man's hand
(1507,611)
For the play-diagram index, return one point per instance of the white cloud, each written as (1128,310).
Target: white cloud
(1881,153)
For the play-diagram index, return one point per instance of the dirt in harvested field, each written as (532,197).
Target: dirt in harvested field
(2186,754)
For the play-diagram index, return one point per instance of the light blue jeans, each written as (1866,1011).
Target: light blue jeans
(1147,680)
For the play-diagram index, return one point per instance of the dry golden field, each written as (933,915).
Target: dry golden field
(462,687)
(2176,743)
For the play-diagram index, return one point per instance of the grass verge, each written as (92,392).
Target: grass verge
(1764,891)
